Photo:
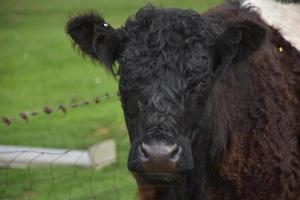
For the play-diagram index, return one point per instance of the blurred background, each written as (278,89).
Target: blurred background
(38,68)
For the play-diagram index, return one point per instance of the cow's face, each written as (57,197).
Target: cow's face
(165,75)
(169,60)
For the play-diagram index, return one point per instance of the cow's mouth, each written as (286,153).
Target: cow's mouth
(161,178)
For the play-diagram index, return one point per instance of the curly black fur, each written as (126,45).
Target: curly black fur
(200,81)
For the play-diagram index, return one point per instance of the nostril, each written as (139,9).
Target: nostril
(143,152)
(175,153)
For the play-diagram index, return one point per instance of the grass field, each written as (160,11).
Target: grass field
(38,67)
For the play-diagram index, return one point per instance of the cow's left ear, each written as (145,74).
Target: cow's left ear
(238,41)
(95,38)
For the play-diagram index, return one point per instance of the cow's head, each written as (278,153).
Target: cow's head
(169,61)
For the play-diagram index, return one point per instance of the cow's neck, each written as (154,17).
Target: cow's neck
(285,17)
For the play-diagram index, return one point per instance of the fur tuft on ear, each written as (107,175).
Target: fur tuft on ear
(95,38)
(237,42)
(242,38)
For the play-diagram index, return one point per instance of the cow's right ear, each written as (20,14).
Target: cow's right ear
(239,41)
(95,38)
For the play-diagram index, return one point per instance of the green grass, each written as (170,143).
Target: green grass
(39,67)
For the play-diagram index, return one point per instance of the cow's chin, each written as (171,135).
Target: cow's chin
(161,179)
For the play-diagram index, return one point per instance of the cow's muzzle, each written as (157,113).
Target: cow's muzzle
(161,161)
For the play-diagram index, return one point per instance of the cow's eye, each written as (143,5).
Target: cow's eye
(124,84)
(202,83)
(198,86)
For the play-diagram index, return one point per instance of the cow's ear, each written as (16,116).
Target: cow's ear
(95,38)
(238,41)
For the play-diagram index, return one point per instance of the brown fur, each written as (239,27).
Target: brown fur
(265,162)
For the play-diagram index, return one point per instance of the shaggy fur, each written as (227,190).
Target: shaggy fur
(224,84)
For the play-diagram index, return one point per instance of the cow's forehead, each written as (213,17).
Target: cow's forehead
(167,25)
(165,39)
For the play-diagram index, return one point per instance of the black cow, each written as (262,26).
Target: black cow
(211,102)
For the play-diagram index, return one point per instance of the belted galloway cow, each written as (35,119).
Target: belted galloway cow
(211,101)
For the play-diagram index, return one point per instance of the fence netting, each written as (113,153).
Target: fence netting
(38,174)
